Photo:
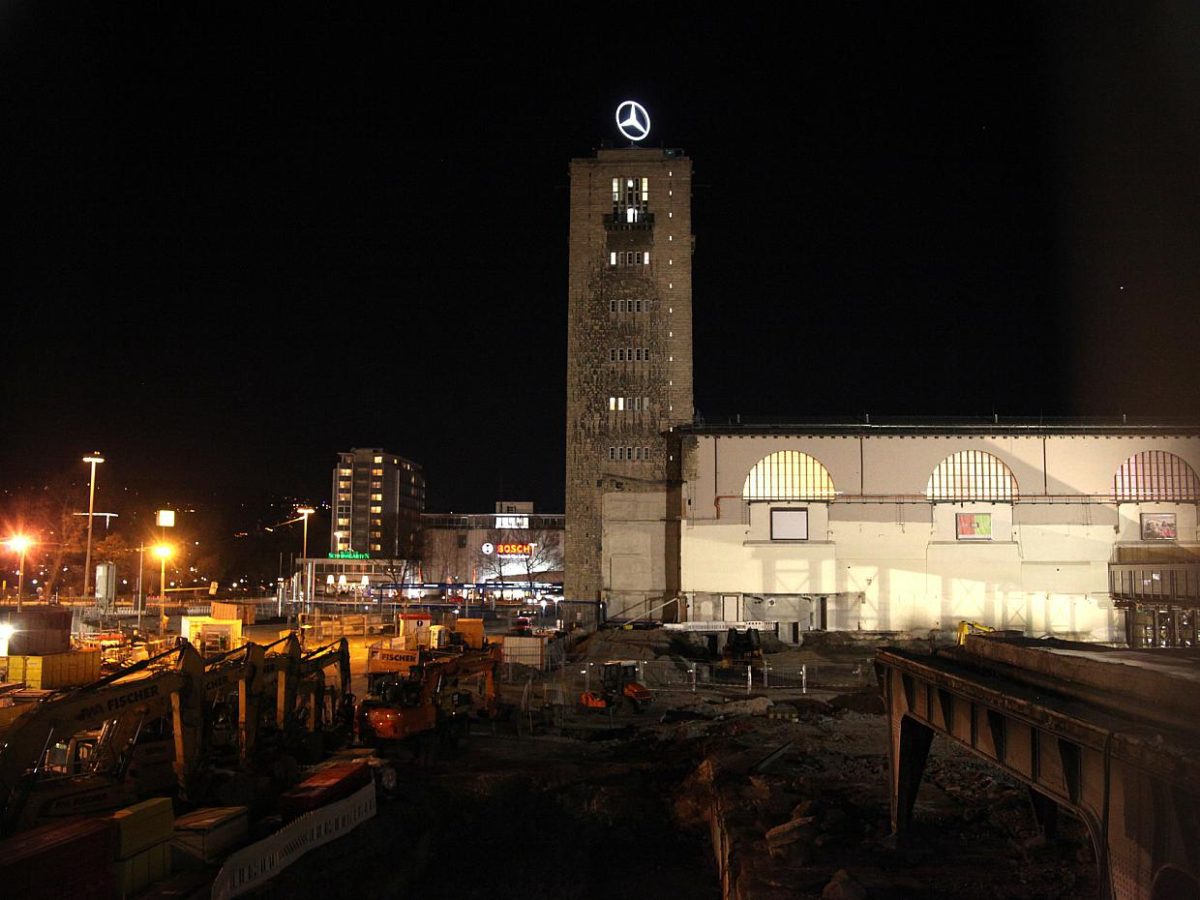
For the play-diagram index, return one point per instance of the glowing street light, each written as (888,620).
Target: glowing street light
(19,544)
(163,552)
(305,512)
(94,459)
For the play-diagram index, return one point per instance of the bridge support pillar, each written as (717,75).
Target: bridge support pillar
(909,751)
(1045,813)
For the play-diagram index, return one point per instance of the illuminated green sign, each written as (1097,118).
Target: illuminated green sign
(348,554)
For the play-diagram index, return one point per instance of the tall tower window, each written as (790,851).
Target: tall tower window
(624,258)
(631,198)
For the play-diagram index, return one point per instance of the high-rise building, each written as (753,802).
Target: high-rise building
(629,372)
(378,498)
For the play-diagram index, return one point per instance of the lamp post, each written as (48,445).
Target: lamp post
(163,552)
(305,512)
(20,544)
(94,459)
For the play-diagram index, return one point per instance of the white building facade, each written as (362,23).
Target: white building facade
(914,528)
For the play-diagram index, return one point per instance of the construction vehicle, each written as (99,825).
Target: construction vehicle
(321,708)
(742,647)
(965,628)
(618,684)
(72,752)
(434,700)
(161,725)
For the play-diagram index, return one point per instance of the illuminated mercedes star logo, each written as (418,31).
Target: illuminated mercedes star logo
(633,120)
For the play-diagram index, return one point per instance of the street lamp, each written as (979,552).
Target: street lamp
(163,552)
(94,459)
(304,512)
(20,544)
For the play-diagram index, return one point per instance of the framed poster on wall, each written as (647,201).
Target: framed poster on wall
(789,524)
(973,526)
(1158,527)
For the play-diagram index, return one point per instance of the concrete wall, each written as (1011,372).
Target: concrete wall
(881,557)
(635,556)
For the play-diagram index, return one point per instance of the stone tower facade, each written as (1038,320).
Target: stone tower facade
(629,371)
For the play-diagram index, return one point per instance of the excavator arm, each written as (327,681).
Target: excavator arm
(119,706)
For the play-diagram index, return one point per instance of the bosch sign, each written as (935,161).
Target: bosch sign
(508,549)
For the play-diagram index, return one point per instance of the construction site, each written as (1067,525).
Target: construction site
(233,758)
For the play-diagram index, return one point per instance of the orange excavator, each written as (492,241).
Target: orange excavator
(619,683)
(434,701)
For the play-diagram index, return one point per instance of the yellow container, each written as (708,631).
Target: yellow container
(471,631)
(55,670)
(137,872)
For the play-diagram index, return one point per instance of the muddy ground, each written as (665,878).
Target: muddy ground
(703,795)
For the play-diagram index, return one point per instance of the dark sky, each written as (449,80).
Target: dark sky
(241,241)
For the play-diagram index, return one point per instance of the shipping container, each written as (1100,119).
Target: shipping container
(38,630)
(245,612)
(55,670)
(471,631)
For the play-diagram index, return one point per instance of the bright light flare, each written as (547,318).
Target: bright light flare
(163,551)
(19,543)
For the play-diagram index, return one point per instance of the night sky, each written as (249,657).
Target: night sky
(239,242)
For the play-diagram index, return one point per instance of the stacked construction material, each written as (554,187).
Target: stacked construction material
(325,786)
(143,844)
(63,859)
(207,835)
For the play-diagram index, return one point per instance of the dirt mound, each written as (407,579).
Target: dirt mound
(865,700)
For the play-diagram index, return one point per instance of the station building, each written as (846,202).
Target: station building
(915,527)
(902,526)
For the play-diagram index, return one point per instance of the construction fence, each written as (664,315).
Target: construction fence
(688,676)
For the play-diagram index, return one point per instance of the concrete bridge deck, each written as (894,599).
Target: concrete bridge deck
(1113,736)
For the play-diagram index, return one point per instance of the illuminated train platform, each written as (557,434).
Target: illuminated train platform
(1112,736)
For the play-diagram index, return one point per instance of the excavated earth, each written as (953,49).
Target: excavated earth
(712,794)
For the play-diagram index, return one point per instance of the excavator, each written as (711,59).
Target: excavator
(72,752)
(163,723)
(434,700)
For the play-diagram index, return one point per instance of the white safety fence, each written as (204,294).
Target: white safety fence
(250,867)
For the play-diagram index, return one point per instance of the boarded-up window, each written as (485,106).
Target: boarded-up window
(1155,475)
(788,475)
(971,475)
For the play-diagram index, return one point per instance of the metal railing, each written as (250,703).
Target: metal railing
(687,676)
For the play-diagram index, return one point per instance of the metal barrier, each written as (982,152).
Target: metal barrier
(685,675)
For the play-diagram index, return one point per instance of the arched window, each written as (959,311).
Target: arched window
(788,475)
(1155,475)
(971,475)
